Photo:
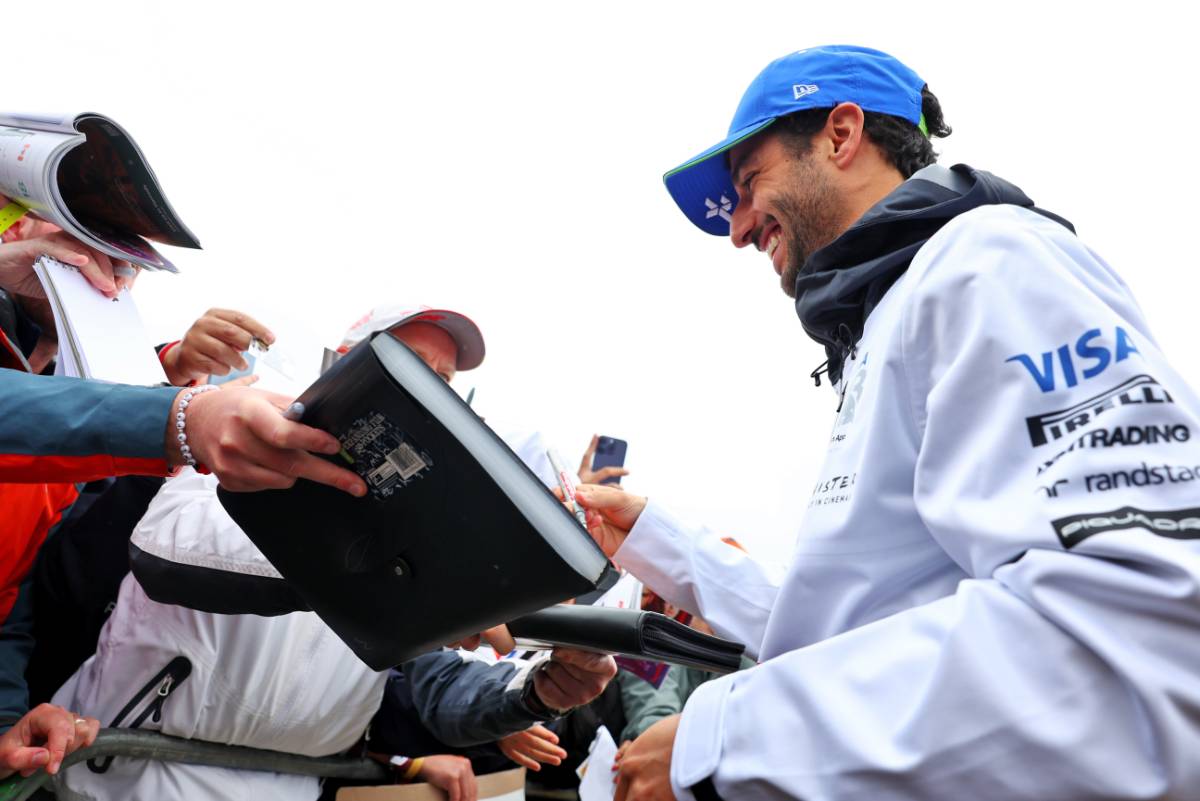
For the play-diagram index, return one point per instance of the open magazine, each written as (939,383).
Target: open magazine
(84,173)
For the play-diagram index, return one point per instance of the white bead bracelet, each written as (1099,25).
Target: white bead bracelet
(181,424)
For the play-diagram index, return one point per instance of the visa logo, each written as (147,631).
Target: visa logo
(1089,360)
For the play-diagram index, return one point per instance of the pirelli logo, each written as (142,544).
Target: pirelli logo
(1141,389)
(1180,524)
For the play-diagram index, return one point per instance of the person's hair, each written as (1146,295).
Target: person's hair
(900,141)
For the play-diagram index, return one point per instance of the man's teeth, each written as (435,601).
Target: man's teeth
(771,245)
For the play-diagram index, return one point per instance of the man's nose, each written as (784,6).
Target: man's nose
(741,226)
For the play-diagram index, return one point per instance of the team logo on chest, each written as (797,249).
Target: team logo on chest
(851,399)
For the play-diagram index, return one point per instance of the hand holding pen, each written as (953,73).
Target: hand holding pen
(567,486)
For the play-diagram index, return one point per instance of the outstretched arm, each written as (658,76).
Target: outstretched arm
(691,567)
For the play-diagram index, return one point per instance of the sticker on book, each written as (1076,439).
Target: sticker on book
(386,457)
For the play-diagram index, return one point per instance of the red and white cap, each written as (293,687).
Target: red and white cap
(462,330)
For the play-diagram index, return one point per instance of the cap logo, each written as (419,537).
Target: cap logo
(800,90)
(719,210)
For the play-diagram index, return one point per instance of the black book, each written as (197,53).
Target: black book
(628,632)
(455,535)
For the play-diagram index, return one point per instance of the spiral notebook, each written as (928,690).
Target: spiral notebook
(98,337)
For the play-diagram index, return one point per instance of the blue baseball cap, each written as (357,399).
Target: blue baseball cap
(820,77)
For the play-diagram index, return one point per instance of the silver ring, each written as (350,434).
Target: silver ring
(124,270)
(80,722)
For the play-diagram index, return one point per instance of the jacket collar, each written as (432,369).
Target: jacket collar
(842,283)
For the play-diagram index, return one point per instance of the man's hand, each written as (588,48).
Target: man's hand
(452,774)
(611,513)
(214,346)
(532,747)
(645,767)
(589,476)
(17,258)
(42,738)
(16,268)
(572,678)
(241,435)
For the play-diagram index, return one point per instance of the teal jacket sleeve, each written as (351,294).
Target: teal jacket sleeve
(57,429)
(646,704)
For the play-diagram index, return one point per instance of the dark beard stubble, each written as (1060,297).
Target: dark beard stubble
(808,215)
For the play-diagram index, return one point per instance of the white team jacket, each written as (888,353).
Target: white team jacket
(995,590)
(283,683)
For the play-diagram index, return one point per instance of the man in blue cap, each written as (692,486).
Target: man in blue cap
(995,589)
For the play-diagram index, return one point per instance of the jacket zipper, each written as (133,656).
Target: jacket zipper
(158,689)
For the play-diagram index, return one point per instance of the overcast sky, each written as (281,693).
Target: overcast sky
(505,160)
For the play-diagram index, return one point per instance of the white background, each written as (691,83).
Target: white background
(505,160)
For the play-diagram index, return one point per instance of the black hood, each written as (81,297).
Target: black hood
(841,284)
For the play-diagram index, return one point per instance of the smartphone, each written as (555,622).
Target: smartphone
(610,452)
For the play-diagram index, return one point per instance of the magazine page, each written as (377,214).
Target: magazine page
(58,123)
(108,182)
(25,159)
(93,182)
(28,160)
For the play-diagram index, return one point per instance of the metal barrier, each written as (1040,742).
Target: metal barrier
(151,745)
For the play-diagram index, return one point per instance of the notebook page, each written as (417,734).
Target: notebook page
(66,362)
(111,342)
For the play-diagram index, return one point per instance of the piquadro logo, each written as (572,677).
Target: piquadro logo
(721,209)
(800,90)
(1094,359)
(1179,524)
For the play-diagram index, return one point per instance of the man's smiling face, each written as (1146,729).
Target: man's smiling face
(787,205)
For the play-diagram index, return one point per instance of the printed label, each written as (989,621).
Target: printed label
(1182,524)
(1141,390)
(385,456)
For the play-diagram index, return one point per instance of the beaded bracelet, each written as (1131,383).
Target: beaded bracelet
(181,424)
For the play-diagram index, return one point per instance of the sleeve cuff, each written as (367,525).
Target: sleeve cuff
(162,350)
(535,706)
(698,740)
(135,421)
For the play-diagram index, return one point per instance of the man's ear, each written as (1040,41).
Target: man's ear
(844,130)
